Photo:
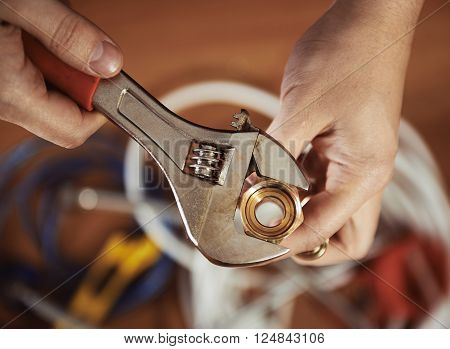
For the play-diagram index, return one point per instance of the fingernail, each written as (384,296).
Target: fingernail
(106,60)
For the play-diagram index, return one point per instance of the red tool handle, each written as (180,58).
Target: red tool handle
(74,83)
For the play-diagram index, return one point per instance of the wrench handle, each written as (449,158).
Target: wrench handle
(77,85)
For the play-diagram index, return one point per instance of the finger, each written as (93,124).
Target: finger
(25,101)
(298,122)
(327,212)
(354,239)
(59,120)
(68,35)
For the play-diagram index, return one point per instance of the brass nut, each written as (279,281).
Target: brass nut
(285,196)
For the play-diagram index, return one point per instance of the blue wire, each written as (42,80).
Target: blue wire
(18,157)
(52,173)
(11,161)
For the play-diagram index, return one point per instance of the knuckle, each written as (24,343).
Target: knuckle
(73,141)
(386,157)
(12,54)
(374,172)
(71,144)
(66,33)
(9,32)
(386,173)
(381,174)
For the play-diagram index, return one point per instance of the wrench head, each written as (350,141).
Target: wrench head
(208,210)
(273,161)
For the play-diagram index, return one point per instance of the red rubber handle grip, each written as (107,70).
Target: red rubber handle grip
(74,83)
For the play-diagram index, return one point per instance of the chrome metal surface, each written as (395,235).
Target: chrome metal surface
(206,191)
(273,161)
(209,161)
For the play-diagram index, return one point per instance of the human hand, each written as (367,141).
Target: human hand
(342,90)
(24,98)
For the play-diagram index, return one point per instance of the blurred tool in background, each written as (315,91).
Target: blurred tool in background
(119,262)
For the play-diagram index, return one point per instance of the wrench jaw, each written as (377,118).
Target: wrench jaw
(223,244)
(272,160)
(266,252)
(212,226)
(208,210)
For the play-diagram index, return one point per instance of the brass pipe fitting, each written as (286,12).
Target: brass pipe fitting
(285,196)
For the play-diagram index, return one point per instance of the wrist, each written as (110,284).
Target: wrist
(384,16)
(357,30)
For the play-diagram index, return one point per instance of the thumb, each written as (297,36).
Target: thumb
(299,120)
(330,209)
(68,35)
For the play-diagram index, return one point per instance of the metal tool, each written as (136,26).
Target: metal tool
(206,168)
(122,261)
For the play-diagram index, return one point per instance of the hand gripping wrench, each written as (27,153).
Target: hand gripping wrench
(206,168)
